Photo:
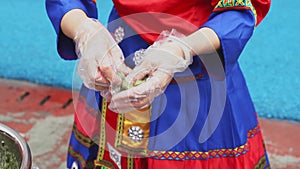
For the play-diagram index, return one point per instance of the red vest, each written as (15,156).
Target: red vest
(150,17)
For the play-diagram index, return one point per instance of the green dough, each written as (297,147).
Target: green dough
(125,85)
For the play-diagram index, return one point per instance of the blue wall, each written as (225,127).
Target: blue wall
(28,44)
(270,61)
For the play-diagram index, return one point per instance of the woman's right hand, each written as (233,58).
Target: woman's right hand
(100,57)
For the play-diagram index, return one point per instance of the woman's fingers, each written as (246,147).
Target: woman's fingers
(89,72)
(140,72)
(92,85)
(134,98)
(124,69)
(126,106)
(111,75)
(131,94)
(141,96)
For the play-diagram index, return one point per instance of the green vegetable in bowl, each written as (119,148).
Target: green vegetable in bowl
(8,160)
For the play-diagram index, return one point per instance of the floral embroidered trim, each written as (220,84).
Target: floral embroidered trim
(205,155)
(237,4)
(138,56)
(135,133)
(119,34)
(253,132)
(199,155)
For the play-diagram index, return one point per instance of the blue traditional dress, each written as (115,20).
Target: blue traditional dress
(204,120)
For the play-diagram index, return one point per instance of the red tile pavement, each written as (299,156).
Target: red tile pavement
(43,115)
(282,140)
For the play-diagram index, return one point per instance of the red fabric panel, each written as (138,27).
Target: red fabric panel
(150,17)
(245,161)
(262,7)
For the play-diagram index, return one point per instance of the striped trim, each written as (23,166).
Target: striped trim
(104,164)
(102,132)
(130,162)
(262,163)
(119,130)
(83,163)
(89,109)
(84,140)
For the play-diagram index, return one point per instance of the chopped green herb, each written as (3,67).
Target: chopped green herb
(8,160)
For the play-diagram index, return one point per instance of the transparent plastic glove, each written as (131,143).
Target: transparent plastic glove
(158,65)
(100,57)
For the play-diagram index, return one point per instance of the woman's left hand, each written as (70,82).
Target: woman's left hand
(157,69)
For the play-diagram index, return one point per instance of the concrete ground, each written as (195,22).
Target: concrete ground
(43,116)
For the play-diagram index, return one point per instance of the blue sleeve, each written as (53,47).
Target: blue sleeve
(234,28)
(56,9)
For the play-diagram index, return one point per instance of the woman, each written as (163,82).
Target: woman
(192,111)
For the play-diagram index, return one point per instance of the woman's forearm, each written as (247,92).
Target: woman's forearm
(71,21)
(203,41)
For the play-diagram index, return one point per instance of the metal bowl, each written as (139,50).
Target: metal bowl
(17,145)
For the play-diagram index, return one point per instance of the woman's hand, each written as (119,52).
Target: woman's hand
(100,56)
(158,66)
